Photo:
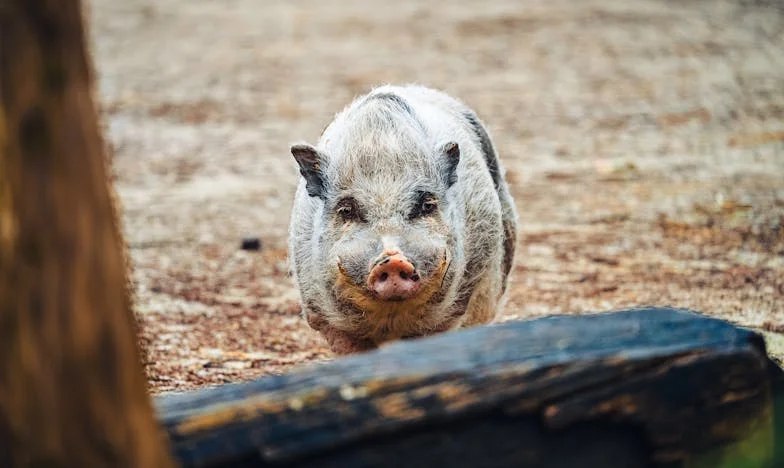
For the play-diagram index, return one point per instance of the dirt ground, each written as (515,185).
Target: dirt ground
(644,142)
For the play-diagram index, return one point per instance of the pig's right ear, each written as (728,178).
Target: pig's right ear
(310,163)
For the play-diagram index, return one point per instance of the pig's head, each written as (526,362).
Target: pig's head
(386,228)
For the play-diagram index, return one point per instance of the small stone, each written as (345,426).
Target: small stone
(251,243)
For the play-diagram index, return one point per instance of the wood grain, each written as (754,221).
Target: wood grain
(661,386)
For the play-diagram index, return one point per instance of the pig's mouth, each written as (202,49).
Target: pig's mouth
(392,280)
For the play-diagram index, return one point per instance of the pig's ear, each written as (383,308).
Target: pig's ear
(450,154)
(310,164)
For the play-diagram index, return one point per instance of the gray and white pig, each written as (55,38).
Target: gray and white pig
(403,225)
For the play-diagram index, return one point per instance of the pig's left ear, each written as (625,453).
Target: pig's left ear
(450,154)
(310,164)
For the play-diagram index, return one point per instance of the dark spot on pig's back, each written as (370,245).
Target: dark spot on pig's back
(393,99)
(509,251)
(392,107)
(491,158)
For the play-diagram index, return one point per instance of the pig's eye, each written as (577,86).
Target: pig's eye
(348,210)
(426,205)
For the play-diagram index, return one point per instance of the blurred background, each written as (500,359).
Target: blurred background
(643,141)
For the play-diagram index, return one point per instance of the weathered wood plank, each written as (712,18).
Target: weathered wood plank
(680,385)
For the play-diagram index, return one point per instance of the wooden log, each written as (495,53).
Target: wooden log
(644,387)
(72,389)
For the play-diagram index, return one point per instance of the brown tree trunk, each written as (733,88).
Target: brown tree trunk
(72,389)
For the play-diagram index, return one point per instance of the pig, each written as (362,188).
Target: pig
(403,225)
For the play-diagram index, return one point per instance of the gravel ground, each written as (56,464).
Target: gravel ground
(644,142)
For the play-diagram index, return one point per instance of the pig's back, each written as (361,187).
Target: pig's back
(489,216)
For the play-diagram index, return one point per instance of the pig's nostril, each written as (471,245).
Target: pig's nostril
(384,276)
(414,277)
(404,275)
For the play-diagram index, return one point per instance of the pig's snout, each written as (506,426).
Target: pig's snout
(394,278)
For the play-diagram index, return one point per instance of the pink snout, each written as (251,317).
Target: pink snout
(394,278)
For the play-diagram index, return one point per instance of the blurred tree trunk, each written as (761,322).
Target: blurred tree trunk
(72,388)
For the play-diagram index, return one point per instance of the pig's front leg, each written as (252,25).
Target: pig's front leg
(340,342)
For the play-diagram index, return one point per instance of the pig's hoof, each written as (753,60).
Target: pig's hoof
(394,278)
